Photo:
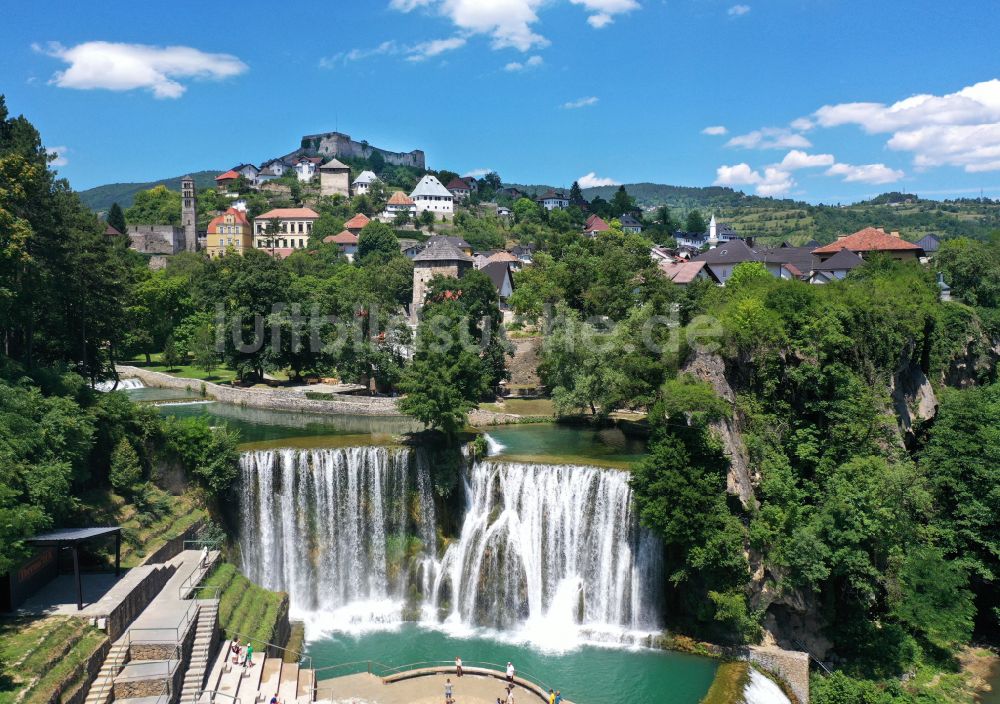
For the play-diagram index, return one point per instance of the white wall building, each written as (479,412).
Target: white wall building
(363,182)
(431,195)
(305,167)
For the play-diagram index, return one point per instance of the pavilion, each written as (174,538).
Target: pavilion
(73,538)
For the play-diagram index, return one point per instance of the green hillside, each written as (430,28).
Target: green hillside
(100,198)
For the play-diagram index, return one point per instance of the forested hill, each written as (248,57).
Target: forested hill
(100,198)
(797,221)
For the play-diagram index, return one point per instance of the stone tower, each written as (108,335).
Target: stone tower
(189,214)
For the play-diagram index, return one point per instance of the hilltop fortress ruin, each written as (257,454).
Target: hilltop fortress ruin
(340,145)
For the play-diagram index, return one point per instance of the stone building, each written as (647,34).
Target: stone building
(334,178)
(156,239)
(439,257)
(338,144)
(189,214)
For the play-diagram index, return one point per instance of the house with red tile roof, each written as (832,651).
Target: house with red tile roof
(224,181)
(869,241)
(356,223)
(594,226)
(347,241)
(460,188)
(231,230)
(398,203)
(283,228)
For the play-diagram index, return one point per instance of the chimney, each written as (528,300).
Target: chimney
(881,229)
(840,237)
(895,234)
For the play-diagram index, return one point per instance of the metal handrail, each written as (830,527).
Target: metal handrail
(116,666)
(214,588)
(301,657)
(182,625)
(190,582)
(212,695)
(388,671)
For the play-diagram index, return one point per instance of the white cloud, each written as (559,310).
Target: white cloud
(508,22)
(865,173)
(477,173)
(957,129)
(796,159)
(738,10)
(58,155)
(802,124)
(592,180)
(121,67)
(770,138)
(532,62)
(581,103)
(715,130)
(427,50)
(385,48)
(775,181)
(603,11)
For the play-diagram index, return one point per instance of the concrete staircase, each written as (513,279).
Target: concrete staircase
(256,685)
(102,688)
(205,641)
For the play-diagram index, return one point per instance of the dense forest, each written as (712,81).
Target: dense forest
(824,463)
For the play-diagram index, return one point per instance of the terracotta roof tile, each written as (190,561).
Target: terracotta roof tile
(357,222)
(288,214)
(228,176)
(869,239)
(400,198)
(344,237)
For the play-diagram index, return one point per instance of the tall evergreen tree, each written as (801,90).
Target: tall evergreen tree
(116,218)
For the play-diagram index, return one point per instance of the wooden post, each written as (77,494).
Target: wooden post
(79,583)
(118,554)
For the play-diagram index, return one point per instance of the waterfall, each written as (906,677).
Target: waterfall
(552,550)
(123,384)
(552,553)
(342,531)
(493,446)
(761,689)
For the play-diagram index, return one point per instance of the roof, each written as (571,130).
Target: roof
(845,260)
(627,220)
(110,230)
(929,243)
(870,239)
(357,222)
(458,183)
(552,194)
(364,176)
(800,258)
(400,198)
(430,186)
(595,224)
(502,257)
(288,214)
(498,271)
(681,272)
(732,252)
(439,249)
(241,219)
(344,237)
(811,243)
(228,176)
(69,536)
(455,241)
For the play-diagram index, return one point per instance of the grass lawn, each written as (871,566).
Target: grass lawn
(245,608)
(523,407)
(185,371)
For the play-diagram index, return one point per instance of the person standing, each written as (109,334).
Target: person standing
(552,697)
(248,658)
(204,557)
(458,666)
(558,697)
(448,692)
(510,672)
(510,696)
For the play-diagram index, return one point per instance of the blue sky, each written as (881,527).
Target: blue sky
(803,95)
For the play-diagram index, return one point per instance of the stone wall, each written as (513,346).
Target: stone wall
(155,239)
(137,600)
(91,666)
(272,399)
(338,144)
(790,665)
(173,547)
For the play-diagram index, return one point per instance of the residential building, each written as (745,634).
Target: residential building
(229,230)
(594,226)
(458,242)
(398,203)
(282,230)
(930,244)
(869,241)
(225,181)
(459,188)
(347,241)
(513,193)
(503,280)
(431,196)
(683,272)
(335,178)
(836,267)
(552,199)
(503,211)
(110,231)
(247,171)
(410,248)
(306,166)
(788,262)
(274,167)
(439,257)
(357,223)
(363,182)
(504,258)
(720,261)
(525,253)
(630,224)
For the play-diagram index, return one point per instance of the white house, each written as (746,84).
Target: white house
(431,195)
(398,203)
(249,172)
(363,182)
(274,167)
(306,166)
(294,226)
(551,199)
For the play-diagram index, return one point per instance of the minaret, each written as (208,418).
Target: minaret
(189,214)
(713,232)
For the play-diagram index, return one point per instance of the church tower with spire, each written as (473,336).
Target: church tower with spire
(713,232)
(189,214)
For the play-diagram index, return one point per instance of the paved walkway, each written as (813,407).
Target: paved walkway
(169,615)
(364,688)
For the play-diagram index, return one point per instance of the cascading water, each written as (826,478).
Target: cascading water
(123,384)
(553,550)
(550,552)
(336,529)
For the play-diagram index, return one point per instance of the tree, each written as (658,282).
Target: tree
(172,357)
(203,348)
(932,598)
(492,181)
(695,223)
(208,453)
(326,225)
(125,472)
(746,273)
(445,380)
(157,206)
(426,219)
(622,202)
(575,194)
(116,218)
(377,241)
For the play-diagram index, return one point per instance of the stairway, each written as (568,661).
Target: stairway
(205,640)
(102,688)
